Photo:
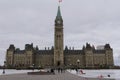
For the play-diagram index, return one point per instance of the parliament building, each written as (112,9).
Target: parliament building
(57,55)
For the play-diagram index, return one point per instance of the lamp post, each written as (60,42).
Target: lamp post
(78,62)
(39,67)
(70,65)
(4,67)
(33,66)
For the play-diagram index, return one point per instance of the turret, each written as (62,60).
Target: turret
(52,48)
(29,60)
(36,48)
(10,56)
(107,46)
(83,48)
(109,55)
(66,48)
(88,55)
(11,47)
(29,47)
(88,46)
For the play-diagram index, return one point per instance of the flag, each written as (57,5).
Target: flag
(60,1)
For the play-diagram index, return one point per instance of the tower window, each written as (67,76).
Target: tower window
(58,30)
(58,36)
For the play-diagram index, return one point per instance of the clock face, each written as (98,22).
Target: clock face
(58,22)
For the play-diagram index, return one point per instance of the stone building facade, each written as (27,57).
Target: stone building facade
(57,56)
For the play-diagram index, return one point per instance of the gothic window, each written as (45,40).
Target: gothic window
(58,36)
(58,30)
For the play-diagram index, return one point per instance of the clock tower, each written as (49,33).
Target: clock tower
(58,40)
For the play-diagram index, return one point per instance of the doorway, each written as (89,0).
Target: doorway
(58,63)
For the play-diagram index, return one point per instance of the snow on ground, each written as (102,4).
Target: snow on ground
(98,73)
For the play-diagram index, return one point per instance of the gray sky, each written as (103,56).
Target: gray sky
(32,21)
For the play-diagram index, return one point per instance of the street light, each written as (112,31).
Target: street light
(70,65)
(33,66)
(78,62)
(4,67)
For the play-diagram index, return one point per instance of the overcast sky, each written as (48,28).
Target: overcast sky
(32,21)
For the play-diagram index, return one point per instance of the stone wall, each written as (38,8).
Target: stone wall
(71,60)
(43,60)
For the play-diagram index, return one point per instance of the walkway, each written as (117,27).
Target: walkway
(57,76)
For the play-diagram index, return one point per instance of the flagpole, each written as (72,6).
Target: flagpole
(60,2)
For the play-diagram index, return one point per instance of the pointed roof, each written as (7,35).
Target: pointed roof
(58,13)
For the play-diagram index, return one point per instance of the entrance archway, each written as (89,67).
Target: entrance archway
(58,63)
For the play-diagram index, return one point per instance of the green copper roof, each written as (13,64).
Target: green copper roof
(58,13)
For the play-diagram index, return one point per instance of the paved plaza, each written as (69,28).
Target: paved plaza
(57,76)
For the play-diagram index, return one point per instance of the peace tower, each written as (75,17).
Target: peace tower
(58,40)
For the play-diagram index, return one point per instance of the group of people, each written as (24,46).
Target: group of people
(61,70)
(58,70)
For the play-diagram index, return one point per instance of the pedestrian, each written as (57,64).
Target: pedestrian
(3,72)
(61,70)
(58,70)
(76,70)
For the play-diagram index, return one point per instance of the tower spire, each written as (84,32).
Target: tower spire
(58,13)
(59,20)
(59,17)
